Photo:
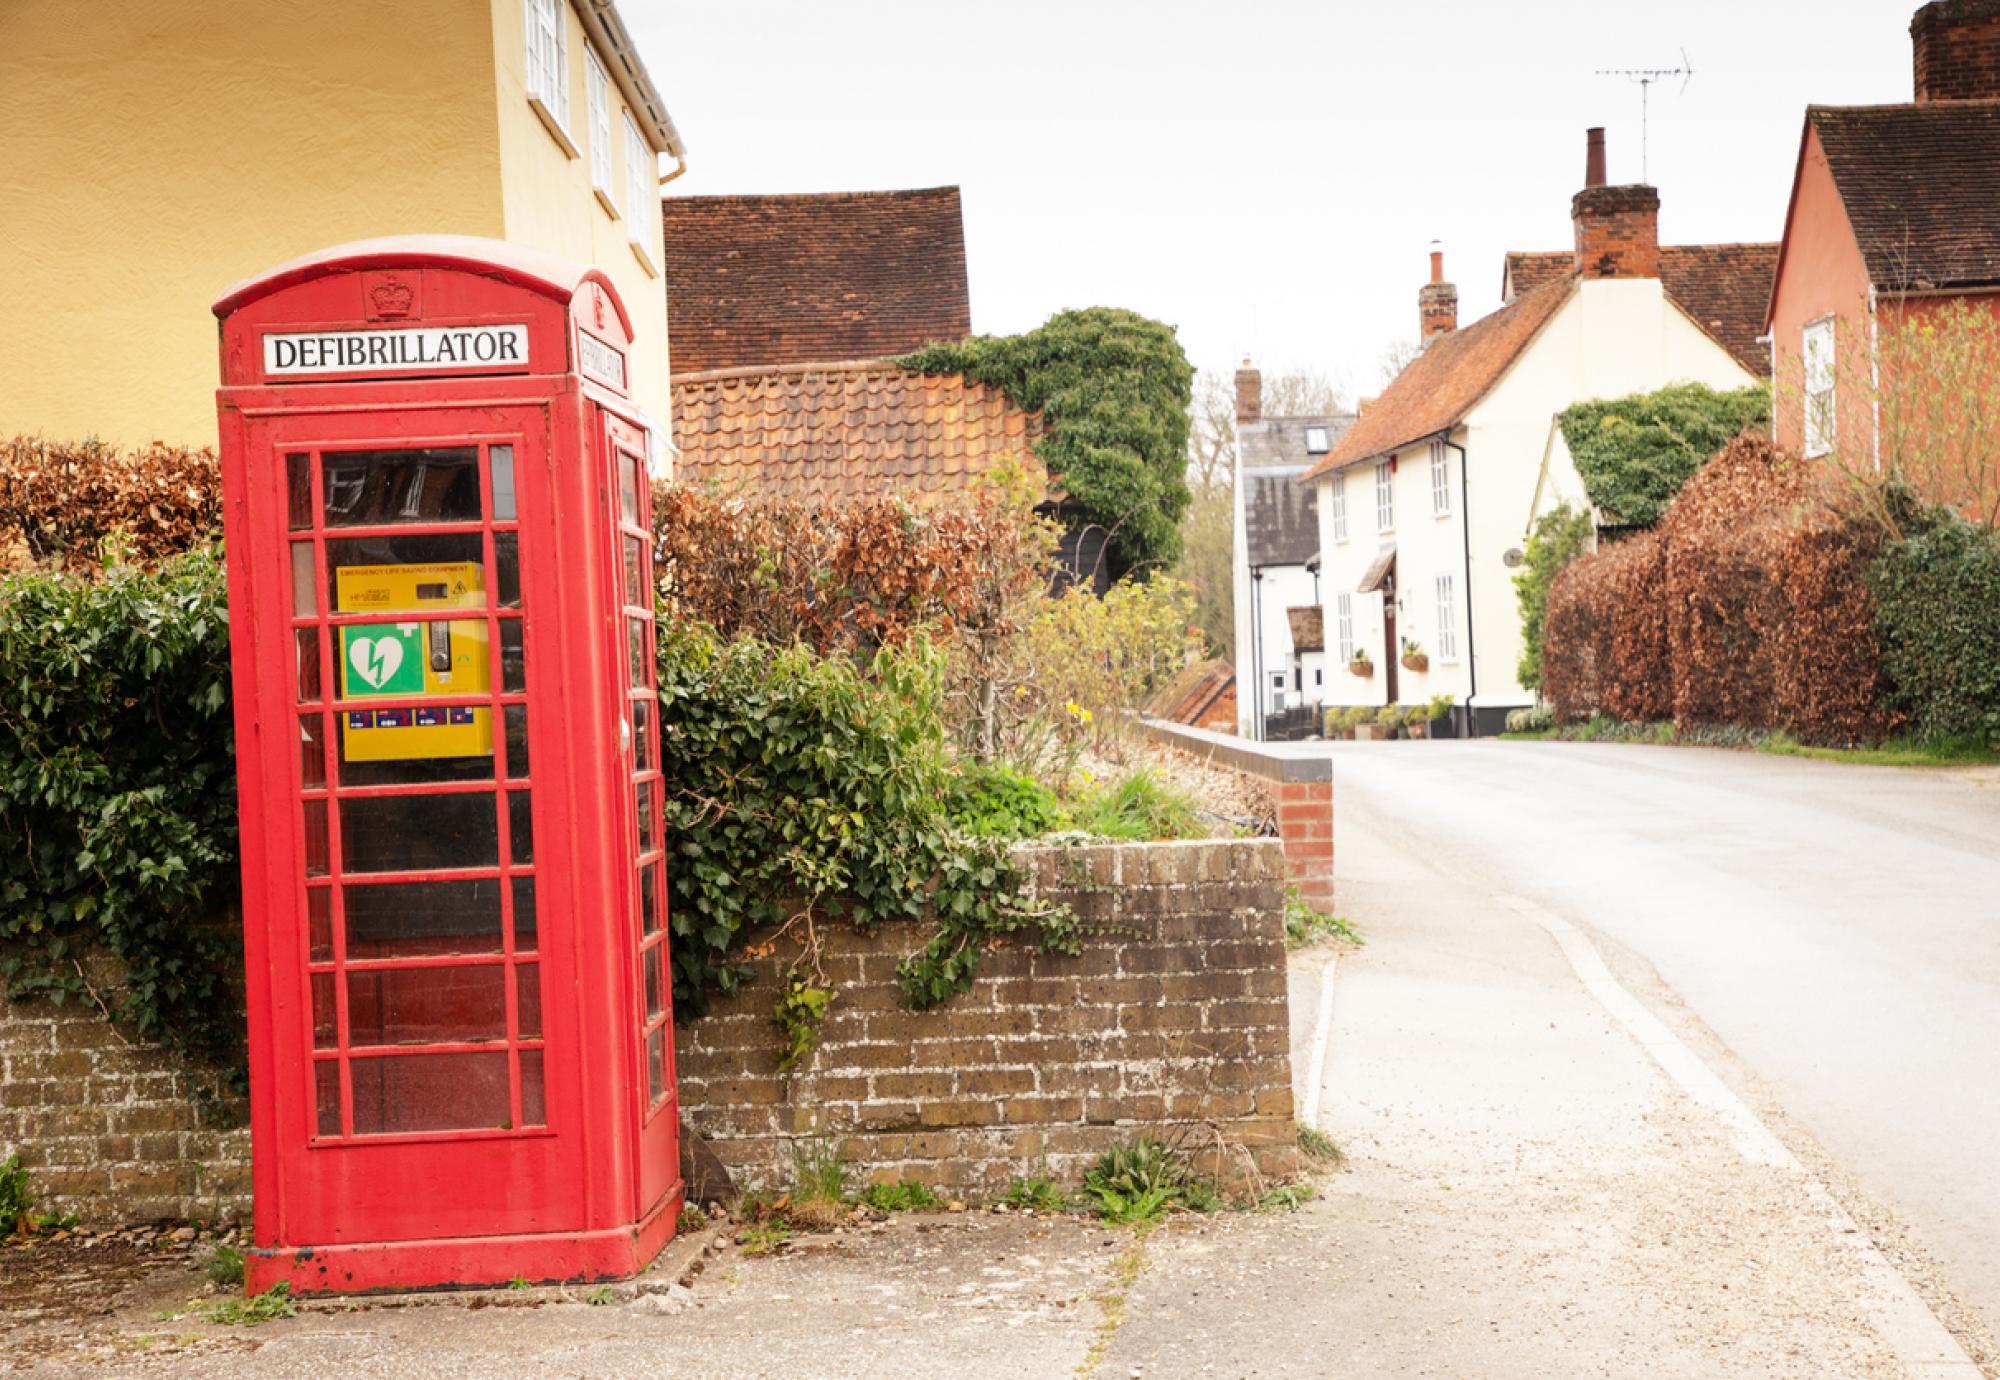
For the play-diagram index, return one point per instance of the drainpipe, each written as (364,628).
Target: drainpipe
(1465,530)
(1257,653)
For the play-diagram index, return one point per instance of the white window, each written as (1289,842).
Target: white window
(1817,351)
(1440,481)
(1447,618)
(548,58)
(1316,442)
(1385,496)
(640,169)
(1343,626)
(1339,507)
(597,91)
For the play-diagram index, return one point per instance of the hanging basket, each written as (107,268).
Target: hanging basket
(1416,661)
(1363,669)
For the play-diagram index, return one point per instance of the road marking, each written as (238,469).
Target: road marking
(1902,1318)
(1322,1032)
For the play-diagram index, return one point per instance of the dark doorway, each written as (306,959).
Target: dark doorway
(1392,650)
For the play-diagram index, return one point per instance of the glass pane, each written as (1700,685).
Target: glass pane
(657,912)
(648,960)
(521,827)
(524,915)
(635,570)
(319,924)
(635,653)
(642,734)
(411,1006)
(517,741)
(430,1092)
(642,809)
(415,745)
(305,653)
(316,844)
(513,664)
(305,602)
(415,833)
(326,1096)
(406,574)
(656,1066)
(423,919)
(371,487)
(298,492)
(507,569)
(528,1000)
(501,461)
(628,490)
(648,894)
(312,753)
(534,1103)
(326,1019)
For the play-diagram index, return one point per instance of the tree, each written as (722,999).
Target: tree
(1208,526)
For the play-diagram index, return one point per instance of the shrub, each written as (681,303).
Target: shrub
(1539,719)
(1440,705)
(1605,646)
(1937,615)
(999,802)
(60,502)
(117,796)
(1634,453)
(1559,537)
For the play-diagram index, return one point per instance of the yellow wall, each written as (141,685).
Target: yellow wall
(550,203)
(157,151)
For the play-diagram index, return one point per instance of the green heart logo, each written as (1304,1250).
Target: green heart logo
(376,659)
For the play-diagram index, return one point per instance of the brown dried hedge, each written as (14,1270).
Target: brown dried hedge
(60,500)
(1747,607)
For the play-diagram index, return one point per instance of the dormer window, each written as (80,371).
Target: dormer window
(1316,441)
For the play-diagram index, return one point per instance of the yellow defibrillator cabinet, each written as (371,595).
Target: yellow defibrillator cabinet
(432,658)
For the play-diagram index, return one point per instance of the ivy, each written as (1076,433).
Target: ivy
(1113,388)
(1937,619)
(1559,537)
(1634,453)
(118,800)
(801,790)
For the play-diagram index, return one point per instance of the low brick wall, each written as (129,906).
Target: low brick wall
(1175,1012)
(109,1130)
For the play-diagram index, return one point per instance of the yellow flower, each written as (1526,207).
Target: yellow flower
(1083,714)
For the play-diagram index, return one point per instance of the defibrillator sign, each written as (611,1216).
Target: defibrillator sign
(427,658)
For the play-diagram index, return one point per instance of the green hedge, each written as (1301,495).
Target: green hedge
(1937,618)
(1634,453)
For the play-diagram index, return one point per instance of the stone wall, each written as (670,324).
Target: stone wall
(1173,1018)
(110,1130)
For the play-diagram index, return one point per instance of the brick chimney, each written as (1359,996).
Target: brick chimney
(1617,228)
(1249,393)
(1437,301)
(1955,47)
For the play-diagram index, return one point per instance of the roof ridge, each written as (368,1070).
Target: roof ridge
(883,364)
(822,196)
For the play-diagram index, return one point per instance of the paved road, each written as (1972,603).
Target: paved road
(1837,927)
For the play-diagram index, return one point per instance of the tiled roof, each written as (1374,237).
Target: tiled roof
(774,280)
(1282,440)
(845,430)
(1724,288)
(1921,184)
(1280,518)
(1308,623)
(1194,694)
(1443,383)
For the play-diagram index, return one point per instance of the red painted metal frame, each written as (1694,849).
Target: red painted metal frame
(592,1191)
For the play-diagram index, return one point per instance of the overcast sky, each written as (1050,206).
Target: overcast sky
(1265,176)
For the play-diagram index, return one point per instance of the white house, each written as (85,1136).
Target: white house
(1425,503)
(1280,664)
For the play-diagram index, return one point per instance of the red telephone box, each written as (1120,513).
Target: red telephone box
(440,587)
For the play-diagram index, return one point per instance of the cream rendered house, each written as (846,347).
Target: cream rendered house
(1425,503)
(159,151)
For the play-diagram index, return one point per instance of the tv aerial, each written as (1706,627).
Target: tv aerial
(1644,77)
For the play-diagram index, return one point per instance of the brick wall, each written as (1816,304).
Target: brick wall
(1955,48)
(1174,1012)
(1617,232)
(109,1130)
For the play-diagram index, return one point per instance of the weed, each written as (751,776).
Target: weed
(819,1184)
(1038,1194)
(691,1219)
(1140,807)
(1201,1195)
(1137,1184)
(599,1296)
(1111,1304)
(518,1282)
(225,1267)
(1305,925)
(1318,1147)
(763,1238)
(14,1197)
(1285,1198)
(904,1195)
(274,1302)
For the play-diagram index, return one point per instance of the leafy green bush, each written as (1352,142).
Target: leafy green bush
(1539,719)
(1440,705)
(1559,537)
(1634,453)
(1140,807)
(15,1200)
(1937,618)
(798,782)
(903,1195)
(117,796)
(999,802)
(1114,389)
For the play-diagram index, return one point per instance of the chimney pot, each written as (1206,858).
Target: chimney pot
(1955,50)
(1249,393)
(1593,157)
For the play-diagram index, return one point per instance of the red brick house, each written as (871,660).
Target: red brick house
(1894,211)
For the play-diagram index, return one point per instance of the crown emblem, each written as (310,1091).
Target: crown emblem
(391,298)
(597,307)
